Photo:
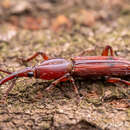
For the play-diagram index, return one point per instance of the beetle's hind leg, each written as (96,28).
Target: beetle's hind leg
(64,78)
(117,80)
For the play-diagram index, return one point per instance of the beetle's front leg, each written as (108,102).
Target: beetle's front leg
(116,80)
(44,56)
(5,71)
(64,78)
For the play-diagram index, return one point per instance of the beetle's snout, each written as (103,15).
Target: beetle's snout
(27,72)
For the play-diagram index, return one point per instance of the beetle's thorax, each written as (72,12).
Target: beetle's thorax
(52,69)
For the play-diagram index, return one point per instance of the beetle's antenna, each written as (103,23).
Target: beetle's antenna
(3,100)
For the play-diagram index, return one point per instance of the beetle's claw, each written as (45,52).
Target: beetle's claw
(49,88)
(22,61)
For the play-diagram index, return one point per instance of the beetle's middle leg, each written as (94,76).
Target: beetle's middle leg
(64,78)
(87,51)
(106,51)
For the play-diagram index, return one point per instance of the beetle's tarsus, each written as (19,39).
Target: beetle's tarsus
(74,85)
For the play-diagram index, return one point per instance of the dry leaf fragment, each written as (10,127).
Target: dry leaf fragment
(32,23)
(6,4)
(60,21)
(87,18)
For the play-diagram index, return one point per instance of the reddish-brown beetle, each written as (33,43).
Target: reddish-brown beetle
(82,66)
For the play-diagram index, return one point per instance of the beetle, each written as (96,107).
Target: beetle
(59,69)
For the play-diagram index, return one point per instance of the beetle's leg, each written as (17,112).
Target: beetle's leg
(87,51)
(7,91)
(44,56)
(4,71)
(54,83)
(63,78)
(74,85)
(116,80)
(106,50)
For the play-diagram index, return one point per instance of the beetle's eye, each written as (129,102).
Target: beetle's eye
(30,74)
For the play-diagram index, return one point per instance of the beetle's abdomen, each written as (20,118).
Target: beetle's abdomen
(53,69)
(100,66)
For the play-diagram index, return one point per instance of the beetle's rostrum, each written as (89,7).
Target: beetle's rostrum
(59,69)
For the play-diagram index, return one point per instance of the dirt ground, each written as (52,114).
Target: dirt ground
(63,29)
